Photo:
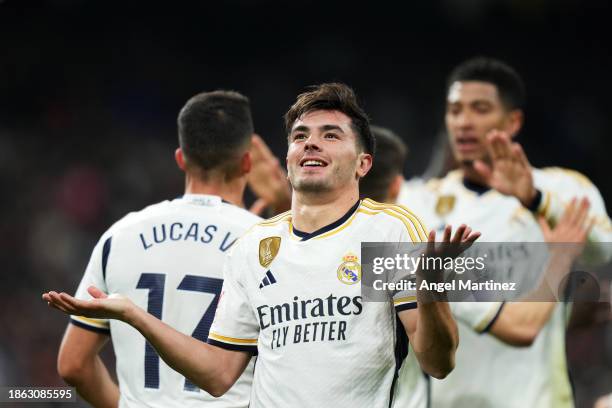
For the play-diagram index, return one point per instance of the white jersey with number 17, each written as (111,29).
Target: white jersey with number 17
(168,259)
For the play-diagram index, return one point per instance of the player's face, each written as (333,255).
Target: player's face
(473,109)
(323,153)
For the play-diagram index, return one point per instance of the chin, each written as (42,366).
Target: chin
(311,186)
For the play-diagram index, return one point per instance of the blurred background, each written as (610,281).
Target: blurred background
(90,91)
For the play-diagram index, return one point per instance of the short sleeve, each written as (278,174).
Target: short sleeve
(479,316)
(235,326)
(405,298)
(95,274)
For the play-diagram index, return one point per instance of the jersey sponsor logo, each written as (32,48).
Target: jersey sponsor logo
(349,271)
(445,205)
(268,249)
(309,320)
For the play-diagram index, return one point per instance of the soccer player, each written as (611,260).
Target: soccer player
(511,325)
(496,190)
(291,291)
(168,259)
(384,181)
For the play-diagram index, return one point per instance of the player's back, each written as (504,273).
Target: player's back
(168,259)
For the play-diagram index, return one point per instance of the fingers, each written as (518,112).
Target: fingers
(459,234)
(258,206)
(544,227)
(568,218)
(574,224)
(582,211)
(499,145)
(493,145)
(466,233)
(583,222)
(47,298)
(55,300)
(520,155)
(260,149)
(575,214)
(447,234)
(484,170)
(472,237)
(96,293)
(589,226)
(431,242)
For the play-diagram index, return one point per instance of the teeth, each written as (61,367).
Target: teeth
(312,163)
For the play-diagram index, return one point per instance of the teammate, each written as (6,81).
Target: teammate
(517,323)
(290,290)
(496,190)
(168,259)
(384,181)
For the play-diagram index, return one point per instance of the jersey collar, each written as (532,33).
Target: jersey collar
(305,236)
(204,200)
(475,187)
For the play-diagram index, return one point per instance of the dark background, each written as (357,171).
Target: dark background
(89,93)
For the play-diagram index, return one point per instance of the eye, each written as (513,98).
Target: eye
(299,136)
(330,136)
(453,109)
(482,107)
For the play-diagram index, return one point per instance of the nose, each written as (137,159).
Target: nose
(464,119)
(312,144)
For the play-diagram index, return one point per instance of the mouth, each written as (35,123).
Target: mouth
(312,162)
(467,143)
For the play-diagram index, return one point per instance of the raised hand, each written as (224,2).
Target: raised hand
(451,247)
(448,248)
(267,179)
(566,242)
(573,227)
(101,306)
(509,171)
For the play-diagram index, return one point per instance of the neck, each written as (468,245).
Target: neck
(311,211)
(230,191)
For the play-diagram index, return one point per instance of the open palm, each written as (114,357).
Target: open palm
(509,171)
(101,306)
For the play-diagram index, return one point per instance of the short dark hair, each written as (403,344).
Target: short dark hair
(214,129)
(508,82)
(338,97)
(389,162)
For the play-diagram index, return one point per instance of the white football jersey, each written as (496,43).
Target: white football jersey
(296,299)
(167,259)
(489,373)
(558,187)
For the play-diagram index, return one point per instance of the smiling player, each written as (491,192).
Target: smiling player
(286,293)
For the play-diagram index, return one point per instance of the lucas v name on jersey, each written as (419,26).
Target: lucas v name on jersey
(178,231)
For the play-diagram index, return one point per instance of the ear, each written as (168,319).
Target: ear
(394,188)
(364,165)
(180,159)
(515,122)
(246,163)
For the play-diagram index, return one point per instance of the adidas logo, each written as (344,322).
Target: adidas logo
(269,279)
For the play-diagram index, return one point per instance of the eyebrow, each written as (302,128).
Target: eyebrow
(324,128)
(472,102)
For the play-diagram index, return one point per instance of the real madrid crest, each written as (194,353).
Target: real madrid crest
(349,271)
(268,249)
(445,204)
